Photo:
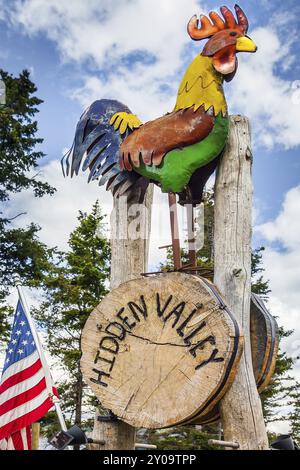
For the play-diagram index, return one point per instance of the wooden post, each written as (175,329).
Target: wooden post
(241,409)
(35,436)
(130,234)
(116,434)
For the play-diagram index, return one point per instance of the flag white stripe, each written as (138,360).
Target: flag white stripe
(20,365)
(7,444)
(24,438)
(24,409)
(22,386)
(10,444)
(3,444)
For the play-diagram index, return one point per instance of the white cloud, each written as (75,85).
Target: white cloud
(106,32)
(282,263)
(260,93)
(286,227)
(147,105)
(57,215)
(2,13)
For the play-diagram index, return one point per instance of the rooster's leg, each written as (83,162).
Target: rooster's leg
(174,231)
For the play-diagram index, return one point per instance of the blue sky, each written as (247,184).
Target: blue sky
(136,51)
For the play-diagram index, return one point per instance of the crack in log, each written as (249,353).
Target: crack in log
(154,342)
(157,343)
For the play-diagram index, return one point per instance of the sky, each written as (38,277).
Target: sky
(136,51)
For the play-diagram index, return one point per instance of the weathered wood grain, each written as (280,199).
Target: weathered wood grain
(130,233)
(116,434)
(241,409)
(264,342)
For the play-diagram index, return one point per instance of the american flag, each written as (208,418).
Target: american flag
(24,385)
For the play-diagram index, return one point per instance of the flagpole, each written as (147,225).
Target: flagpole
(48,378)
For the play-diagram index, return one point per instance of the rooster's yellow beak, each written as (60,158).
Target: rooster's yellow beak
(245,44)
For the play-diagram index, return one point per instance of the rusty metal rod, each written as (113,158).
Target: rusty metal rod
(191,234)
(174,230)
(207,273)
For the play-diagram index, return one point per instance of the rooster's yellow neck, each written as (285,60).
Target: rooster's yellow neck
(201,85)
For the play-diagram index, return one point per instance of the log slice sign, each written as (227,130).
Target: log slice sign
(159,350)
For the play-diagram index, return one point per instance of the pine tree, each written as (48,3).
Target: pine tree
(294,415)
(182,437)
(73,286)
(18,138)
(259,285)
(20,249)
(281,385)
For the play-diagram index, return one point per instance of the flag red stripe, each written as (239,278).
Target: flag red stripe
(25,420)
(21,376)
(23,397)
(17,440)
(28,434)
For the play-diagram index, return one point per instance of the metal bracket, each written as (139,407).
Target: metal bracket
(107,418)
(231,445)
(203,272)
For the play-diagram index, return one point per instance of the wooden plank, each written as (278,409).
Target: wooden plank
(241,409)
(264,342)
(35,436)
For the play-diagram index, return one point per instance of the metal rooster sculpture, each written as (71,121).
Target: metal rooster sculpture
(178,151)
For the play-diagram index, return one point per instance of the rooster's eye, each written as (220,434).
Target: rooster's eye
(233,33)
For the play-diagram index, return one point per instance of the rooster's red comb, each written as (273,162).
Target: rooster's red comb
(214,24)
